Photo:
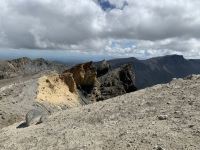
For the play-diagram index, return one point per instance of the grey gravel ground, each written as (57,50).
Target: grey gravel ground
(161,117)
(17,97)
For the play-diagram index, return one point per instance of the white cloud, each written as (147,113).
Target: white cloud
(155,27)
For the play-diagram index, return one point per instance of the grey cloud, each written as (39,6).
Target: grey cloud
(156,26)
(49,24)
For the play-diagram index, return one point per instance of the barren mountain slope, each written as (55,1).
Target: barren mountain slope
(17,97)
(22,94)
(162,117)
(51,91)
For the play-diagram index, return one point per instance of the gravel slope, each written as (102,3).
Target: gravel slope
(162,117)
(17,97)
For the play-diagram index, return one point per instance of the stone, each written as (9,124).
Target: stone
(162,117)
(34,117)
(158,148)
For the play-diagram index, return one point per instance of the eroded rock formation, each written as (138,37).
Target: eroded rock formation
(58,91)
(102,68)
(84,74)
(117,82)
(86,83)
(98,82)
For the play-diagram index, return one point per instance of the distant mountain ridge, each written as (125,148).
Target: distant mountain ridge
(159,69)
(148,72)
(27,66)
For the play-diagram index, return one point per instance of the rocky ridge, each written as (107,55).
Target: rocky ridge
(159,70)
(25,66)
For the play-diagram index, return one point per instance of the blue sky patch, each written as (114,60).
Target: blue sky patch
(106,5)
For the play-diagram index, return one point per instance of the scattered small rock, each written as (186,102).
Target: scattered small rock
(3,117)
(4,94)
(128,145)
(154,135)
(191,126)
(190,102)
(158,148)
(162,117)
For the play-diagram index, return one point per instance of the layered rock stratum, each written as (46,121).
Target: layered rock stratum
(164,116)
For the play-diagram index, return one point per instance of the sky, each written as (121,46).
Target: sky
(99,28)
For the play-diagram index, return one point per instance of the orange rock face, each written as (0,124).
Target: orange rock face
(69,80)
(83,74)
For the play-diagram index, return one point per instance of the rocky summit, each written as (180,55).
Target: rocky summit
(161,117)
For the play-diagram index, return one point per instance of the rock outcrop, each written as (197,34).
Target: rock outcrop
(117,82)
(68,79)
(102,68)
(58,90)
(84,75)
(98,82)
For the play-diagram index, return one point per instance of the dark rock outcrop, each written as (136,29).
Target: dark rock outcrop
(102,68)
(97,82)
(117,82)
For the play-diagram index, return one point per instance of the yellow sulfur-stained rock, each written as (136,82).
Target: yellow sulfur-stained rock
(54,90)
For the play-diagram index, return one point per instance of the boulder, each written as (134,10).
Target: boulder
(34,117)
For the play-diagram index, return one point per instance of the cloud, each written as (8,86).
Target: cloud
(131,27)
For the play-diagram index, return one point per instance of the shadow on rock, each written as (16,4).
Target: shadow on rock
(22,125)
